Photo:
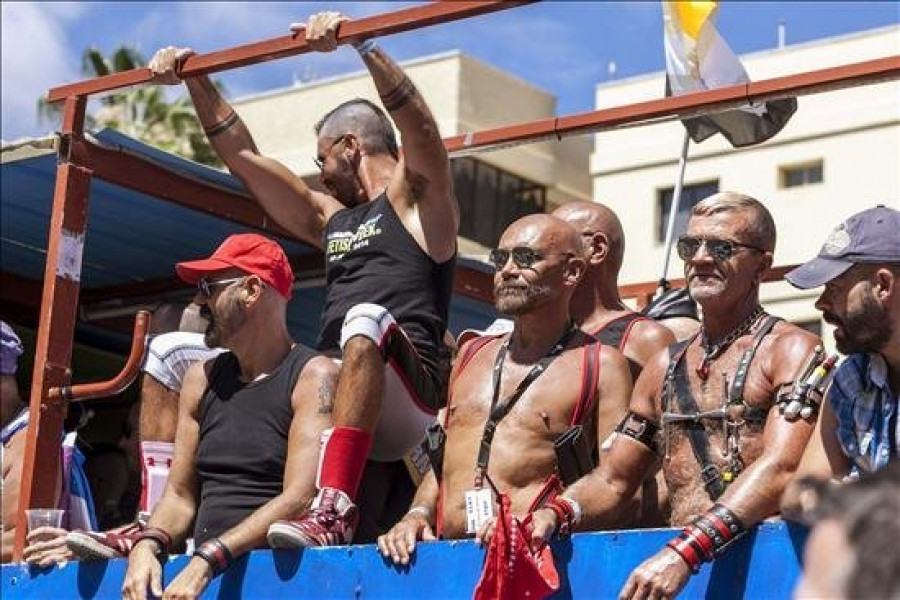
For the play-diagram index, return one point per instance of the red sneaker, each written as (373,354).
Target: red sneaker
(102,545)
(330,521)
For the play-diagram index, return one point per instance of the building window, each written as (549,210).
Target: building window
(490,199)
(690,196)
(798,175)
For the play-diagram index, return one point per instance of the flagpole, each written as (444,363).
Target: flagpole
(673,212)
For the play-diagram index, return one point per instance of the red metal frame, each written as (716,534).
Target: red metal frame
(382,25)
(79,159)
(53,354)
(118,384)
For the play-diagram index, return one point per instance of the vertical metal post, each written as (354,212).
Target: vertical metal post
(673,212)
(59,302)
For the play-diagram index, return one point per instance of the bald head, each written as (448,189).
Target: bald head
(590,219)
(546,232)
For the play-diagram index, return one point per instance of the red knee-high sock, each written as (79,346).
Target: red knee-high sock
(343,459)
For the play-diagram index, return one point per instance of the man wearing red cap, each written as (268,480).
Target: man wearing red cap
(388,228)
(249,422)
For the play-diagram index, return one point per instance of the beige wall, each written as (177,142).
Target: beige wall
(856,132)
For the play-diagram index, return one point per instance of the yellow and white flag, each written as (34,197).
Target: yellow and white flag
(697,58)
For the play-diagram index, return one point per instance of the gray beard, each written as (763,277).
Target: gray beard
(519,300)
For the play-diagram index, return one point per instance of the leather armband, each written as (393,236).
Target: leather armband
(641,429)
(433,445)
(216,554)
(162,539)
(708,536)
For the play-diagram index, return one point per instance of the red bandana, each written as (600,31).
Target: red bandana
(512,570)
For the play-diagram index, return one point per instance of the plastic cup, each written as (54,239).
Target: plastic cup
(44,517)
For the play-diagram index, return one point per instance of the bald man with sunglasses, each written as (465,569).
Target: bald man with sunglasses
(704,407)
(518,394)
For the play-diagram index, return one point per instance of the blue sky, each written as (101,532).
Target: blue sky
(563,47)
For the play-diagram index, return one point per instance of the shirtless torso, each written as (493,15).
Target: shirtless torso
(522,458)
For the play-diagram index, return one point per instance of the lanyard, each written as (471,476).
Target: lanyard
(499,411)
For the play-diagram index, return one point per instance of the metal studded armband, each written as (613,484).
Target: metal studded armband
(641,429)
(802,397)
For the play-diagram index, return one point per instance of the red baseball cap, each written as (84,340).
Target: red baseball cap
(249,252)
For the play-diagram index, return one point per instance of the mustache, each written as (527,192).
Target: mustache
(830,318)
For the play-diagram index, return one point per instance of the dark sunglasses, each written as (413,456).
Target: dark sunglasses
(206,287)
(522,256)
(320,161)
(720,250)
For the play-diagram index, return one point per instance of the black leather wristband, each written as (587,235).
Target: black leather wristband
(216,554)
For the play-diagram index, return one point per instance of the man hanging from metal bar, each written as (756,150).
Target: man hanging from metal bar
(704,408)
(388,228)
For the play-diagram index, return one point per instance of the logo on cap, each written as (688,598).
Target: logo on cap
(837,242)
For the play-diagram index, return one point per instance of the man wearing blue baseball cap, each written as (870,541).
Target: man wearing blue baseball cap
(858,431)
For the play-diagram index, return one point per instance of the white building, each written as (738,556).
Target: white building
(838,155)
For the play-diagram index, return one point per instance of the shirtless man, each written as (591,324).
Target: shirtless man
(728,246)
(598,308)
(388,228)
(249,422)
(538,265)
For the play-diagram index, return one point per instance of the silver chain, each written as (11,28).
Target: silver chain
(710,353)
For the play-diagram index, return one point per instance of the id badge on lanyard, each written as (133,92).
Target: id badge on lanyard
(479,508)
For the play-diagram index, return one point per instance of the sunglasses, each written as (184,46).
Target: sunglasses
(320,161)
(206,287)
(720,250)
(522,256)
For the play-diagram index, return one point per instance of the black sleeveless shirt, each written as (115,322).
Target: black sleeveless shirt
(371,257)
(243,441)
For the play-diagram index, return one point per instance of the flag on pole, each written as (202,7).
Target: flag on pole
(697,59)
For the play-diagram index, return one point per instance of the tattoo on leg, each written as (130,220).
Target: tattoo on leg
(326,397)
(399,96)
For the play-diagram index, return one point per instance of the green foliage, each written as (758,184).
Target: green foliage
(143,113)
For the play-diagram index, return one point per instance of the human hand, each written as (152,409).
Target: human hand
(46,546)
(191,582)
(544,524)
(659,577)
(166,64)
(144,571)
(486,532)
(399,543)
(321,30)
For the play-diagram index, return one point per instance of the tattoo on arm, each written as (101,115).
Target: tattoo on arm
(326,397)
(399,96)
(223,125)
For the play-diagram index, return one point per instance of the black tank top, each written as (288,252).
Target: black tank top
(371,257)
(243,441)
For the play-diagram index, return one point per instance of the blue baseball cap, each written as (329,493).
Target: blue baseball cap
(871,236)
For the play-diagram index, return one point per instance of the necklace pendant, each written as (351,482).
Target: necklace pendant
(703,369)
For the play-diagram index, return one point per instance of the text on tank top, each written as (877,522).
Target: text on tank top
(370,257)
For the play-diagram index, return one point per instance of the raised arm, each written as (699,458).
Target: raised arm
(314,390)
(421,190)
(282,195)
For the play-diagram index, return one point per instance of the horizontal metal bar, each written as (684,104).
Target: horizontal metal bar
(678,107)
(382,25)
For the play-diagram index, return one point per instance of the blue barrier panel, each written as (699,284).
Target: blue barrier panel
(592,565)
